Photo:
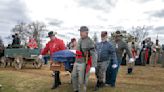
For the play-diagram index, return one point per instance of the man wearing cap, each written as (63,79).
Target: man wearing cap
(52,46)
(105,50)
(120,46)
(87,47)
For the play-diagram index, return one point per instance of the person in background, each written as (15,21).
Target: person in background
(149,45)
(120,46)
(105,50)
(32,44)
(156,53)
(16,41)
(53,46)
(143,53)
(134,55)
(73,44)
(162,56)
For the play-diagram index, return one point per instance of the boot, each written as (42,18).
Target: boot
(58,78)
(130,70)
(56,81)
(101,85)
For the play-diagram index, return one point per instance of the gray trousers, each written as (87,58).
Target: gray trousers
(78,76)
(101,71)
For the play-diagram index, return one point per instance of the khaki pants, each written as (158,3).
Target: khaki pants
(78,76)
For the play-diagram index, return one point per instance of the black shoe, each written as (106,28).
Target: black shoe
(101,85)
(58,78)
(59,83)
(130,70)
(76,91)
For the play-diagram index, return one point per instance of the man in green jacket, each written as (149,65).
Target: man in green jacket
(79,75)
(120,46)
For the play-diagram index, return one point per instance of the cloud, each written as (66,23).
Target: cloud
(102,19)
(159,30)
(104,5)
(54,22)
(143,1)
(11,13)
(157,14)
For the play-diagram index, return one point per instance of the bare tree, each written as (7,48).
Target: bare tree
(95,38)
(22,30)
(140,33)
(36,30)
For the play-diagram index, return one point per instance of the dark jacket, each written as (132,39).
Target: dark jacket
(106,50)
(16,41)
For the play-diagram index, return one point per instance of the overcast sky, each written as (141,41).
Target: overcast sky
(68,15)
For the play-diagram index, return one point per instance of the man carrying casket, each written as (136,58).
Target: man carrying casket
(53,46)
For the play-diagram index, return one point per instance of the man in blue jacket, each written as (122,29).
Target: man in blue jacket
(104,50)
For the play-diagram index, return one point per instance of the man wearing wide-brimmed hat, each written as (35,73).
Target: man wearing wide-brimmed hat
(52,46)
(120,47)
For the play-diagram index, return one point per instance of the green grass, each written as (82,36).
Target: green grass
(144,79)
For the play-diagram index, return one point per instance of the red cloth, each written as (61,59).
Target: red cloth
(53,46)
(89,64)
(78,54)
(133,53)
(32,43)
(146,54)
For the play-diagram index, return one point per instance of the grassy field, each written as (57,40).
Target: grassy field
(144,79)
